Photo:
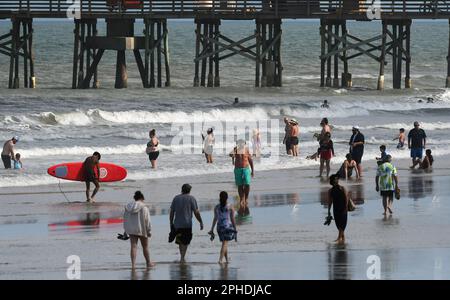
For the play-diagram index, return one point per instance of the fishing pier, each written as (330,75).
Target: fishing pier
(389,48)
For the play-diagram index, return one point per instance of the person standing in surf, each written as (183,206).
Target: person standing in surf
(8,152)
(92,174)
(417,140)
(338,199)
(287,130)
(243,172)
(208,145)
(256,143)
(293,136)
(152,148)
(226,225)
(357,147)
(181,210)
(326,152)
(136,222)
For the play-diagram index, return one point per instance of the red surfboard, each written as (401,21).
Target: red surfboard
(75,171)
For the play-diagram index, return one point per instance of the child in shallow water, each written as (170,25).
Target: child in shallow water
(401,138)
(18,163)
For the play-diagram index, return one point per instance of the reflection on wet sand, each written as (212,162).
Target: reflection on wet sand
(338,262)
(276,199)
(419,185)
(179,271)
(140,274)
(355,191)
(225,272)
(93,220)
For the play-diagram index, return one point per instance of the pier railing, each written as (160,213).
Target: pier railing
(231,9)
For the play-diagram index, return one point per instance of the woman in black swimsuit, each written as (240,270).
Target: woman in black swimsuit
(152,148)
(337,198)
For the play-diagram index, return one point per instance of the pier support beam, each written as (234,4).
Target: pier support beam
(399,34)
(334,46)
(18,45)
(207,51)
(269,49)
(89,49)
(447,81)
(265,51)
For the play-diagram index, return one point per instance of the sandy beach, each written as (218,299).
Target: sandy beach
(286,239)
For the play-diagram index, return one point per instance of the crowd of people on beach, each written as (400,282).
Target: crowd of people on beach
(137,223)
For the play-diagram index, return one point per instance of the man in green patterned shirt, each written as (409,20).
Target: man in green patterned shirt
(387,182)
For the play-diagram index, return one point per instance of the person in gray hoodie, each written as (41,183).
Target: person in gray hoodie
(137,225)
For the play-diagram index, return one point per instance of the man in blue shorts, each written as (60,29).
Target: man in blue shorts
(416,142)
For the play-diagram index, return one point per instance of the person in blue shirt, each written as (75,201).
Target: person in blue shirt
(18,163)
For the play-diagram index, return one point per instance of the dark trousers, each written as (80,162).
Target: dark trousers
(6,161)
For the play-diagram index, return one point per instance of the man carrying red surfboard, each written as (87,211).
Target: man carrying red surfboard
(92,174)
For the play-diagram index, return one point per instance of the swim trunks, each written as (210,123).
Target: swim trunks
(6,161)
(417,153)
(293,140)
(153,155)
(242,176)
(183,236)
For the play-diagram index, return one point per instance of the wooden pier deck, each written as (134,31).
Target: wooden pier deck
(228,9)
(337,45)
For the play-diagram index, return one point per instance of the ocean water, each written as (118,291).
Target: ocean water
(57,124)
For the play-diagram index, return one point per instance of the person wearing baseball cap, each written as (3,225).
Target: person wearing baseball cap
(357,147)
(417,139)
(8,152)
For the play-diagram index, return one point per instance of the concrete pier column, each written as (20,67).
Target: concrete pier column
(121,71)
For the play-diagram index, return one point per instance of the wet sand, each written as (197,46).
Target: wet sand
(286,239)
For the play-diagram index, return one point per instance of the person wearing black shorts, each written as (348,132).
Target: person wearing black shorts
(181,210)
(90,166)
(152,148)
(357,147)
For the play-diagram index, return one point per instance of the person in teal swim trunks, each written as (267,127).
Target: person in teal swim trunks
(243,172)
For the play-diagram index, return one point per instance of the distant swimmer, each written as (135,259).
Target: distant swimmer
(91,167)
(236,101)
(430,100)
(401,138)
(325,104)
(8,152)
